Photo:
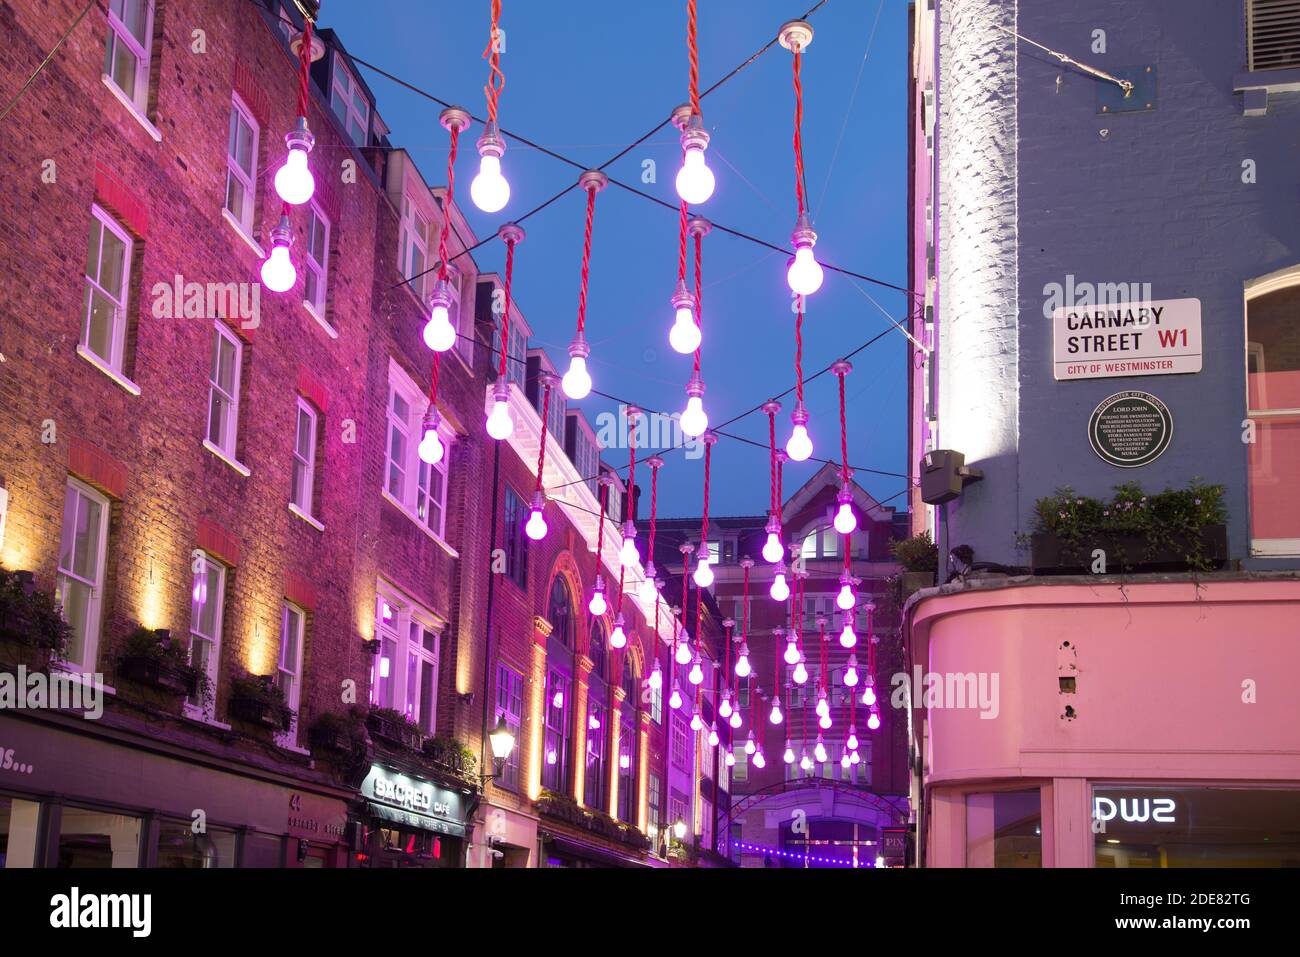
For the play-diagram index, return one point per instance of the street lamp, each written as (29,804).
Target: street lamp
(679,829)
(503,743)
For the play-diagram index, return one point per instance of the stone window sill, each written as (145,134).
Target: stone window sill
(108,370)
(131,108)
(234,463)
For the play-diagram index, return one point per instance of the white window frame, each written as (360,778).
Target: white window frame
(120,299)
(244,217)
(509,705)
(204,710)
(414,473)
(118,32)
(95,605)
(406,616)
(301,498)
(288,673)
(231,418)
(345,86)
(317,270)
(459,316)
(413,231)
(679,733)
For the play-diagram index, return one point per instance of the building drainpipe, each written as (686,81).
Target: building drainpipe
(487,637)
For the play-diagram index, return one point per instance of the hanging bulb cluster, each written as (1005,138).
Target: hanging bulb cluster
(675,699)
(760,762)
(278,272)
(788,756)
(294,183)
(743,668)
(536,525)
(775,716)
(791,649)
(694,419)
(800,675)
(851,672)
(489,188)
(684,336)
(577,381)
(773,550)
(696,675)
(500,424)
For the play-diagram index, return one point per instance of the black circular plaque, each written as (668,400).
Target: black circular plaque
(1130,429)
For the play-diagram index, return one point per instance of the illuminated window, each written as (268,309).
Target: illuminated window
(510,705)
(80,584)
(1273,400)
(207,607)
(288,675)
(405,672)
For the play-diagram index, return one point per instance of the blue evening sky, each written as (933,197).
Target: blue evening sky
(585,79)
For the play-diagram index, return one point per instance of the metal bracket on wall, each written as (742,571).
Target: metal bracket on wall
(1141,99)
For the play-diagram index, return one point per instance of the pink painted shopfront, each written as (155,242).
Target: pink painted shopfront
(1147,723)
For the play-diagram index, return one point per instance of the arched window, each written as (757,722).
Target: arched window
(594,789)
(1273,409)
(559,683)
(628,735)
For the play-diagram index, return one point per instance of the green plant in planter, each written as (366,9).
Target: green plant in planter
(257,699)
(337,731)
(450,752)
(395,726)
(32,617)
(149,658)
(916,554)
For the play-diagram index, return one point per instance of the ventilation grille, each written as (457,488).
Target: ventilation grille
(1274,30)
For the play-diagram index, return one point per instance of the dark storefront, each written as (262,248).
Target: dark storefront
(409,820)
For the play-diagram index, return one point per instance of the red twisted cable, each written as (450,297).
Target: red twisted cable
(505,316)
(780,488)
(600,532)
(844,436)
(704,527)
(681,243)
(631,455)
(798,352)
(433,381)
(654,507)
(446,212)
(541,449)
(694,56)
(586,259)
(771,443)
(492,53)
(699,301)
(304,69)
(744,633)
(798,130)
(618,608)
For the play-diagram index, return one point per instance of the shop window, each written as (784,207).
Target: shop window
(654,802)
(1140,826)
(597,734)
(558,706)
(1273,400)
(80,584)
(180,847)
(1004,829)
(90,838)
(628,735)
(19,827)
(262,850)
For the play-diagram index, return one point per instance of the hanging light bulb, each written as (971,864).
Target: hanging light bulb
(694,420)
(750,746)
(617,637)
(779,591)
(845,600)
(845,521)
(800,675)
(791,650)
(597,605)
(703,569)
(628,554)
(854,757)
(697,723)
(844,760)
(293,181)
(489,188)
(684,336)
(724,706)
(278,274)
(439,333)
(647,591)
(593,722)
(431,449)
(730,759)
(788,756)
(535,528)
(804,761)
(869,691)
(683,648)
(773,550)
(675,699)
(775,716)
(823,706)
(760,762)
(848,637)
(577,382)
(736,720)
(824,722)
(873,722)
(713,735)
(851,672)
(695,181)
(499,423)
(819,750)
(799,446)
(743,667)
(557,699)
(851,742)
(656,676)
(805,273)
(696,675)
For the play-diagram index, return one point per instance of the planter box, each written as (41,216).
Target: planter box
(329,740)
(164,676)
(262,713)
(1127,552)
(915,581)
(398,735)
(15,651)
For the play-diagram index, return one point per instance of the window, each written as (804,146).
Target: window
(657,704)
(241,165)
(316,280)
(679,809)
(595,786)
(405,672)
(826,543)
(1273,400)
(1004,829)
(108,271)
(223,392)
(627,762)
(288,676)
(179,846)
(304,457)
(349,102)
(515,541)
(679,748)
(130,35)
(510,705)
(555,748)
(96,838)
(413,249)
(654,802)
(1274,35)
(462,320)
(740,771)
(207,602)
(706,823)
(415,485)
(80,586)
(516,362)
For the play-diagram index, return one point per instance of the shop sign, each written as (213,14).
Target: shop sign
(1134,810)
(1126,339)
(1130,429)
(410,794)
